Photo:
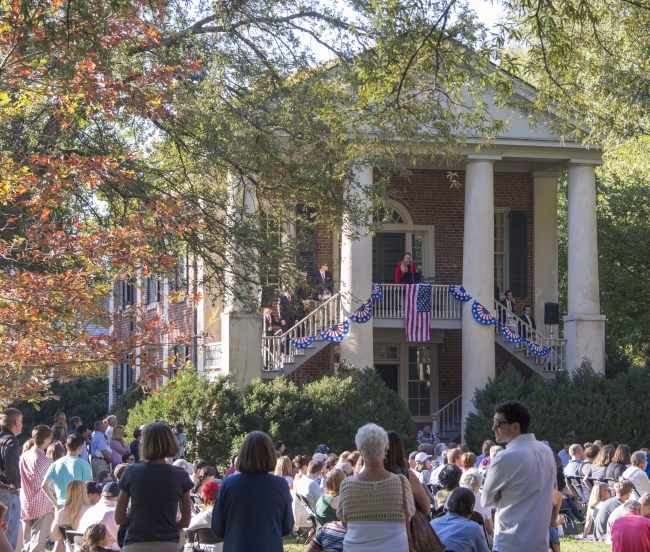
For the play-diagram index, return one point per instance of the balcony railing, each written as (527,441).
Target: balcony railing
(391,304)
(212,357)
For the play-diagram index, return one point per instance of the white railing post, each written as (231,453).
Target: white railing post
(391,303)
(277,349)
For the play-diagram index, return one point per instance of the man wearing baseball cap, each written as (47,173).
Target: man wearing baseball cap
(94,491)
(104,512)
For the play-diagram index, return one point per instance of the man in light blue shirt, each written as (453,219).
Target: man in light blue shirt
(66,469)
(100,456)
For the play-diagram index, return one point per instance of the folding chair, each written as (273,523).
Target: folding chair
(576,483)
(202,537)
(308,532)
(74,540)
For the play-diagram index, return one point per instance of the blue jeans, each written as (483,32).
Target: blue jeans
(11,499)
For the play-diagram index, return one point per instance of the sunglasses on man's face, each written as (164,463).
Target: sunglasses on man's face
(499,423)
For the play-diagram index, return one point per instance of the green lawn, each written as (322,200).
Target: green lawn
(568,545)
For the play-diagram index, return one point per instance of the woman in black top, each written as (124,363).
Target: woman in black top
(395,462)
(622,459)
(156,490)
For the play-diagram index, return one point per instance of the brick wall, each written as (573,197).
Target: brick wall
(324,247)
(430,199)
(314,368)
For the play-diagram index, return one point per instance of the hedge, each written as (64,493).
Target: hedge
(583,405)
(217,414)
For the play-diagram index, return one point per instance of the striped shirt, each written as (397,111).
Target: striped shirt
(330,537)
(33,467)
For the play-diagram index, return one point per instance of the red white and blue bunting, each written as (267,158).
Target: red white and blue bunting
(459,293)
(302,342)
(363,313)
(537,349)
(377,292)
(336,333)
(509,335)
(482,315)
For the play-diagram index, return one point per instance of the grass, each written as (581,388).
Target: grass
(569,544)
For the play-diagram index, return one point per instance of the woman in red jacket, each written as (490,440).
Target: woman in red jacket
(404,267)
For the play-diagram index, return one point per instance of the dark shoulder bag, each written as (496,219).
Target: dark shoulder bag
(421,536)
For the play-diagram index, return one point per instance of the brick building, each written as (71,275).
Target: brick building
(495,226)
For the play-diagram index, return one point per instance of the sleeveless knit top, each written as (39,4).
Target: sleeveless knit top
(375,500)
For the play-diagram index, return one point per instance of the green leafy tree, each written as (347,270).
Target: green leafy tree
(218,414)
(126,402)
(583,405)
(83,397)
(209,412)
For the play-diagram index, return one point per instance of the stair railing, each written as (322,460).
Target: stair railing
(278,349)
(554,360)
(449,416)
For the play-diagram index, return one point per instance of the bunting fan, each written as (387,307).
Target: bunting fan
(509,335)
(363,313)
(482,315)
(459,293)
(302,342)
(376,292)
(537,349)
(336,333)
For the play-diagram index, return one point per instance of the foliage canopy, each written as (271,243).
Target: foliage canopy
(328,411)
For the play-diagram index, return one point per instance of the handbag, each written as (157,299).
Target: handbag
(421,536)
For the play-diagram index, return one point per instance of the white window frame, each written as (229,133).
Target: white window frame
(426,230)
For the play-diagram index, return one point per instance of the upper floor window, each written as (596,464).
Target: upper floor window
(153,289)
(389,216)
(511,252)
(127,293)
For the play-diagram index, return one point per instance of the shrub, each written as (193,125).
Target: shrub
(209,412)
(83,397)
(126,402)
(327,411)
(584,404)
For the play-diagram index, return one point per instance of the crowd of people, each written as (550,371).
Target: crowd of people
(145,496)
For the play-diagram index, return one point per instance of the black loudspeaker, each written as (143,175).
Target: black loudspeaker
(551,314)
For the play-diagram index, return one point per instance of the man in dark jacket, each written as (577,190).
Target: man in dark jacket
(323,282)
(11,424)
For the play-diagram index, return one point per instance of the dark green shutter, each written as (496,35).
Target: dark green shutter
(519,253)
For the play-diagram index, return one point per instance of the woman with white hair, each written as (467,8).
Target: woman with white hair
(375,504)
(472,481)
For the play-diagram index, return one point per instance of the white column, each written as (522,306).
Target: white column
(356,276)
(241,329)
(545,256)
(478,277)
(584,326)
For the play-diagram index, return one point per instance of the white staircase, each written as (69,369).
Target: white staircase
(447,421)
(280,357)
(519,355)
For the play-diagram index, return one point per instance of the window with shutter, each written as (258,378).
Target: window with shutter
(518,234)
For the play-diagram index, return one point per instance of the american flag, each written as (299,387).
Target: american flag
(418,312)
